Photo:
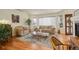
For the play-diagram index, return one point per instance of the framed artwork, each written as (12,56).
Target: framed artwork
(61,22)
(15,18)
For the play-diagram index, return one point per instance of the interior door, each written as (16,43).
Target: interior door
(68,24)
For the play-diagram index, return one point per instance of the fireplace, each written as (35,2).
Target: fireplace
(76,29)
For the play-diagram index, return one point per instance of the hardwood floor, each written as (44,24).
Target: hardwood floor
(16,44)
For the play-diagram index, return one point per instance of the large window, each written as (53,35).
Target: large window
(46,21)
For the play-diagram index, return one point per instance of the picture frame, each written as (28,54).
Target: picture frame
(15,18)
(61,21)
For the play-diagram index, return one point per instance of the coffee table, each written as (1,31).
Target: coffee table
(40,35)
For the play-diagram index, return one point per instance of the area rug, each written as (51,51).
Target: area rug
(43,41)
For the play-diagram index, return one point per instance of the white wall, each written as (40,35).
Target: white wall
(6,15)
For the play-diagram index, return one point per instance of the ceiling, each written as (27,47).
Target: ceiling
(40,11)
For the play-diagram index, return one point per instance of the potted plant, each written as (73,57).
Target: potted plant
(5,33)
(28,22)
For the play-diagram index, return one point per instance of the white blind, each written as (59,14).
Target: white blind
(48,21)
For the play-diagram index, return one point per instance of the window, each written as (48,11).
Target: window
(34,22)
(46,21)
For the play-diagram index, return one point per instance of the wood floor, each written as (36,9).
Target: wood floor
(16,44)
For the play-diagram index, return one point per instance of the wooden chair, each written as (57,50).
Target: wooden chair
(57,45)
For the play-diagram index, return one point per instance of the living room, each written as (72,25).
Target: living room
(39,29)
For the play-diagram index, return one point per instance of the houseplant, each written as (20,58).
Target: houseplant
(28,22)
(5,33)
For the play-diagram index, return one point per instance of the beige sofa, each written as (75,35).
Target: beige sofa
(47,29)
